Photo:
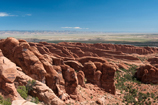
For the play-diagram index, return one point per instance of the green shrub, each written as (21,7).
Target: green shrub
(30,84)
(124,70)
(1,99)
(129,98)
(35,100)
(131,93)
(152,95)
(85,80)
(22,91)
(91,97)
(5,101)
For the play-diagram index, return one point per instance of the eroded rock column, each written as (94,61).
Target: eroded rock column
(107,78)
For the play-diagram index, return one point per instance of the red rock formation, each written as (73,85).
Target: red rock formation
(40,90)
(97,77)
(107,78)
(113,48)
(7,46)
(8,74)
(123,66)
(19,53)
(71,81)
(33,63)
(81,78)
(89,71)
(147,74)
(82,60)
(153,60)
(126,48)
(57,61)
(28,61)
(98,65)
(55,64)
(74,64)
(76,50)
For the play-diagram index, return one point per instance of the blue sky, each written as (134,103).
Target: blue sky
(80,15)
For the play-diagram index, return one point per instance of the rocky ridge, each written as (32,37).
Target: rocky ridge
(60,68)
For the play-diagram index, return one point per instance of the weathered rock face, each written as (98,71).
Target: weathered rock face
(7,46)
(97,76)
(28,61)
(71,80)
(89,71)
(8,70)
(33,63)
(8,74)
(52,78)
(107,78)
(147,74)
(40,90)
(81,77)
(19,53)
(98,65)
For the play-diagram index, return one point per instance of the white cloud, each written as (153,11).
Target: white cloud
(75,27)
(28,14)
(66,27)
(3,14)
